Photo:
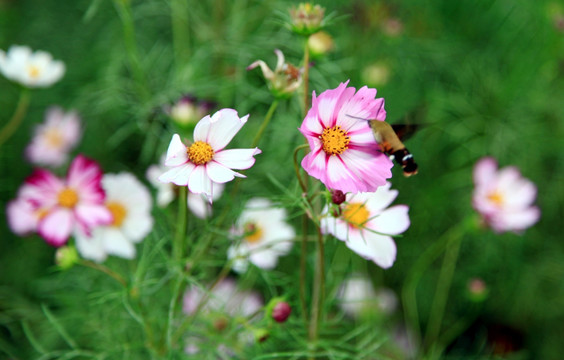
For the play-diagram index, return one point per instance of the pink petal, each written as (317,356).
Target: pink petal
(328,104)
(392,221)
(91,215)
(42,187)
(485,171)
(85,177)
(377,248)
(237,158)
(515,221)
(56,227)
(178,175)
(176,154)
(225,124)
(199,181)
(22,216)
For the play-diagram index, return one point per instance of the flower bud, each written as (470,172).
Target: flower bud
(477,290)
(261,335)
(376,74)
(284,80)
(188,110)
(320,44)
(66,257)
(307,19)
(338,197)
(281,312)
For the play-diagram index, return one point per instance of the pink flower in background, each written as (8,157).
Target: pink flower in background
(366,223)
(503,197)
(37,69)
(55,138)
(206,161)
(344,155)
(61,206)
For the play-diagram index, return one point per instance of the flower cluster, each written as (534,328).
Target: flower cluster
(30,69)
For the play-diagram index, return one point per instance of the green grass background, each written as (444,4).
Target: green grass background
(483,77)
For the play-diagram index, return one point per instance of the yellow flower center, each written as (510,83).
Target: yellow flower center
(41,213)
(356,214)
(335,140)
(200,153)
(118,212)
(33,71)
(496,198)
(53,138)
(67,197)
(253,233)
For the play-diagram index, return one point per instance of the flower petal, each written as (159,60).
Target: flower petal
(219,173)
(92,247)
(200,182)
(176,154)
(56,227)
(179,175)
(117,244)
(485,171)
(377,248)
(392,221)
(225,124)
(239,159)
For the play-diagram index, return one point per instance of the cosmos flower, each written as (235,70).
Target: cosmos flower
(188,110)
(55,138)
(357,297)
(503,197)
(206,161)
(130,203)
(36,69)
(366,223)
(261,235)
(344,155)
(60,207)
(284,80)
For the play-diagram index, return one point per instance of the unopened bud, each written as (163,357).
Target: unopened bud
(66,257)
(307,19)
(320,43)
(477,290)
(281,312)
(261,335)
(338,197)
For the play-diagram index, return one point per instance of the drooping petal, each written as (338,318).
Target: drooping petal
(56,227)
(239,159)
(176,154)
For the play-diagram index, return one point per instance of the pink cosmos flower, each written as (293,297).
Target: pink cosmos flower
(366,223)
(58,207)
(344,154)
(206,161)
(504,198)
(55,138)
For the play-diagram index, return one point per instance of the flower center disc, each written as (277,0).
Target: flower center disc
(253,233)
(67,198)
(33,71)
(118,212)
(54,138)
(356,214)
(200,153)
(496,198)
(335,140)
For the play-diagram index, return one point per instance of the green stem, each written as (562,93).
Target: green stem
(106,270)
(265,122)
(297,167)
(441,294)
(306,76)
(21,109)
(180,31)
(180,237)
(318,290)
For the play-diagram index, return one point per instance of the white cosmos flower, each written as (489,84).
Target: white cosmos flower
(262,236)
(206,162)
(37,69)
(366,222)
(55,138)
(357,297)
(129,202)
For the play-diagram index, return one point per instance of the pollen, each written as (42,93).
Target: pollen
(253,233)
(118,212)
(200,153)
(33,71)
(54,138)
(67,197)
(356,214)
(496,198)
(335,140)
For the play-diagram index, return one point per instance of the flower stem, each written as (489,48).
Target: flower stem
(180,31)
(180,237)
(106,270)
(21,109)
(265,122)
(297,167)
(318,289)
(306,76)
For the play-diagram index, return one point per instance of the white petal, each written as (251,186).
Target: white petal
(380,249)
(199,181)
(264,258)
(179,175)
(239,159)
(392,221)
(199,206)
(137,226)
(176,154)
(117,244)
(381,199)
(485,171)
(202,129)
(219,173)
(225,125)
(91,248)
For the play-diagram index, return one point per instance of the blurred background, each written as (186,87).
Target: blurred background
(481,78)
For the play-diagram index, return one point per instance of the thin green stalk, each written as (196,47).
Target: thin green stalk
(441,294)
(181,221)
(14,123)
(106,270)
(265,122)
(318,290)
(297,167)
(306,76)
(180,31)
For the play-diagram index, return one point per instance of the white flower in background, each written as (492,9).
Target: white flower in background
(357,297)
(262,235)
(197,203)
(129,202)
(37,69)
(55,138)
(366,223)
